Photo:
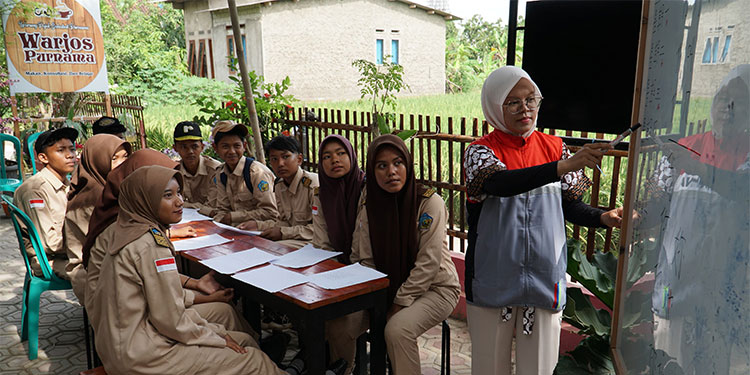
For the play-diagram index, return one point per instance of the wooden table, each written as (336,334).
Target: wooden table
(307,305)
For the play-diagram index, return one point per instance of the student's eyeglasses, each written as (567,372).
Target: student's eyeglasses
(515,106)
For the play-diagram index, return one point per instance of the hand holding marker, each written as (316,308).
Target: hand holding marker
(620,138)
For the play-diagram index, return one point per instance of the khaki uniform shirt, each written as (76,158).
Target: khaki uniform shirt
(142,327)
(295,207)
(44,198)
(75,229)
(199,190)
(236,200)
(433,269)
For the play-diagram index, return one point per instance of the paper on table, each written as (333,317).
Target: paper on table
(231,263)
(198,242)
(271,278)
(191,214)
(305,256)
(234,229)
(352,274)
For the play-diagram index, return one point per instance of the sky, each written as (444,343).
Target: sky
(490,10)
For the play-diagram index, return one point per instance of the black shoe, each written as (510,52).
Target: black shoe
(275,346)
(297,365)
(337,368)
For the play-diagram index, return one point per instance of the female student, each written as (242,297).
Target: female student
(145,328)
(522,185)
(101,154)
(205,294)
(341,182)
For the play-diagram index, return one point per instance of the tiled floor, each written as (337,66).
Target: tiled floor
(61,341)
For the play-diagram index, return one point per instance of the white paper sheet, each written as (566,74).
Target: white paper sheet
(271,278)
(191,214)
(198,242)
(352,274)
(233,229)
(304,257)
(232,263)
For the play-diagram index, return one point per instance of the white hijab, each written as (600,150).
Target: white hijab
(496,89)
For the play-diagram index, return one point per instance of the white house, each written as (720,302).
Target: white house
(315,41)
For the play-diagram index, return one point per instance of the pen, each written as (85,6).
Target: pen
(597,165)
(624,135)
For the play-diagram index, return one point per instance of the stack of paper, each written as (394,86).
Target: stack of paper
(232,263)
(199,242)
(191,214)
(345,276)
(233,229)
(304,257)
(271,278)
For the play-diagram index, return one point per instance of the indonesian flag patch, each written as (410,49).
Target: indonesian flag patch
(165,264)
(314,210)
(36,203)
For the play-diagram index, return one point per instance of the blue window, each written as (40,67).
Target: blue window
(707,52)
(715,50)
(394,51)
(725,51)
(379,51)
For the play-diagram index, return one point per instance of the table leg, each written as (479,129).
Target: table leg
(312,340)
(377,330)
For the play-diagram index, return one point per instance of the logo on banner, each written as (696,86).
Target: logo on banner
(52,50)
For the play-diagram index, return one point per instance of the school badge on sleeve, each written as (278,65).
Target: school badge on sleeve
(425,221)
(165,264)
(159,238)
(263,186)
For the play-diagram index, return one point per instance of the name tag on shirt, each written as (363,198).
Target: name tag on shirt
(165,264)
(36,203)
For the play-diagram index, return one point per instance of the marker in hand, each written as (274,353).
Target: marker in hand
(624,135)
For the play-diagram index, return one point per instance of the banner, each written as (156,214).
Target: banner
(54,46)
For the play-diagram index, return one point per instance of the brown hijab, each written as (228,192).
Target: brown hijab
(91,175)
(393,217)
(339,198)
(140,196)
(106,209)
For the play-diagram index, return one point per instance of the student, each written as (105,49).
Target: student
(401,230)
(145,328)
(44,196)
(197,170)
(109,125)
(293,189)
(205,295)
(244,186)
(341,183)
(101,153)
(521,185)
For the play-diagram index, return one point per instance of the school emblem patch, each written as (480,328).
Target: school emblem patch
(425,221)
(159,238)
(263,186)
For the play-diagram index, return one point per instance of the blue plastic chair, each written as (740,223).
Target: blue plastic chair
(32,154)
(33,286)
(9,184)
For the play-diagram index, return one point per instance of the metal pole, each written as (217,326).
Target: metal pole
(512,29)
(249,101)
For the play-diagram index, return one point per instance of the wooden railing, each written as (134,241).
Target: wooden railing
(438,149)
(94,104)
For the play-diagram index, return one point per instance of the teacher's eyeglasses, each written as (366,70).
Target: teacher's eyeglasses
(516,106)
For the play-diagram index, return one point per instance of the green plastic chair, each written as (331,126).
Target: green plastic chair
(33,286)
(9,184)
(32,154)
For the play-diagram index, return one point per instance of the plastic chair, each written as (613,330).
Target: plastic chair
(10,184)
(33,286)
(32,155)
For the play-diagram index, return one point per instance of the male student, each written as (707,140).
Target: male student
(197,170)
(109,125)
(244,186)
(294,189)
(44,196)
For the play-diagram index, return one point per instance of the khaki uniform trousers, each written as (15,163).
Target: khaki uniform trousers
(491,339)
(401,331)
(225,314)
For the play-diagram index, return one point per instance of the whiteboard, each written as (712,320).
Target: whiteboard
(685,295)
